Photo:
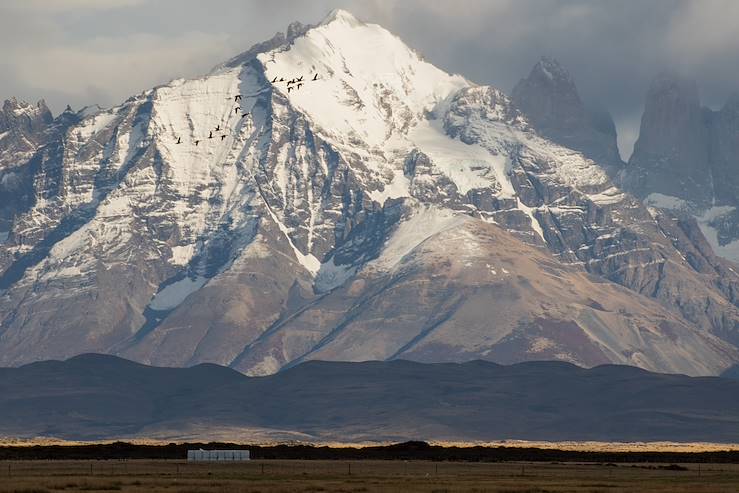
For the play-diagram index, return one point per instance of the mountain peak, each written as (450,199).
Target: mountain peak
(549,88)
(549,98)
(340,15)
(549,68)
(15,104)
(672,85)
(360,79)
(672,151)
(294,30)
(31,115)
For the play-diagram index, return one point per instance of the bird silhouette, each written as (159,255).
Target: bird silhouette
(299,84)
(236,110)
(289,89)
(211,134)
(282,79)
(274,80)
(245,115)
(291,81)
(197,142)
(300,79)
(315,77)
(237,97)
(218,128)
(179,140)
(223,137)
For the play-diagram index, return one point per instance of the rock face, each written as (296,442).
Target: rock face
(687,160)
(381,210)
(671,156)
(550,100)
(23,128)
(724,152)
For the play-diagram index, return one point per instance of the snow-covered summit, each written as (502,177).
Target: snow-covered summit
(340,15)
(368,83)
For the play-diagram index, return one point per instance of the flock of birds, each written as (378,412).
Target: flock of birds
(293,84)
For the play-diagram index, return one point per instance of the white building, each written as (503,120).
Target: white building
(217,455)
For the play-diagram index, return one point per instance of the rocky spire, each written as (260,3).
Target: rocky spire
(24,116)
(550,100)
(671,156)
(724,153)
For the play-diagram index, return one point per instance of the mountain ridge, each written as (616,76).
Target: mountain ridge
(96,397)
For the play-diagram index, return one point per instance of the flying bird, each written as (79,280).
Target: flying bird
(211,134)
(223,136)
(237,97)
(282,79)
(299,84)
(274,80)
(289,88)
(197,142)
(315,77)
(245,115)
(218,128)
(236,110)
(300,79)
(179,140)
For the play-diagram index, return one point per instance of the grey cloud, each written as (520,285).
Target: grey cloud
(613,49)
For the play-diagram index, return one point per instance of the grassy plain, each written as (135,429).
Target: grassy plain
(362,476)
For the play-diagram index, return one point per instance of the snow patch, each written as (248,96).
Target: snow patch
(530,212)
(396,188)
(425,223)
(469,166)
(730,250)
(70,244)
(331,275)
(571,167)
(309,261)
(174,294)
(609,196)
(666,202)
(181,255)
(95,123)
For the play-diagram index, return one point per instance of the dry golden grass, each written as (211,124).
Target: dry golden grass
(590,446)
(359,476)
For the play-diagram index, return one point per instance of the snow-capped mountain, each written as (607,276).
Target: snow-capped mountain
(328,194)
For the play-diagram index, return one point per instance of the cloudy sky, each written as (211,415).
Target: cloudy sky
(82,52)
